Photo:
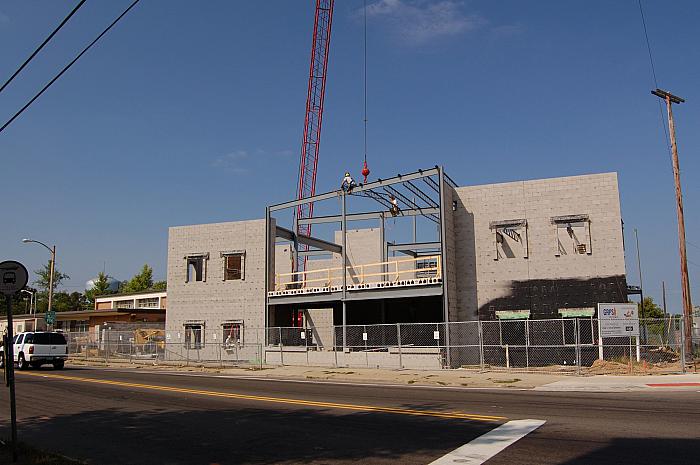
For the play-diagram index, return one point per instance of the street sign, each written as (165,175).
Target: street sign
(618,320)
(13,277)
(50,317)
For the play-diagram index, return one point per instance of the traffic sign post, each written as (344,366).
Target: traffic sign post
(13,278)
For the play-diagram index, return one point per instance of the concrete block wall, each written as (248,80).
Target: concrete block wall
(543,282)
(214,300)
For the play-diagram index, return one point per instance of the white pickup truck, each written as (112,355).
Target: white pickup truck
(37,348)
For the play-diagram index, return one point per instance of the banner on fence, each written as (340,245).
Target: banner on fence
(618,320)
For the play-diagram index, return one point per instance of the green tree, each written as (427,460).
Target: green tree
(43,275)
(160,286)
(65,302)
(42,284)
(142,281)
(100,287)
(650,310)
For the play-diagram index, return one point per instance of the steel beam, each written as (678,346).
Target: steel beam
(410,247)
(420,174)
(367,216)
(310,241)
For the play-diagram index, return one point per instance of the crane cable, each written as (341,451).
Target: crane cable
(365,169)
(365,75)
(67,67)
(46,41)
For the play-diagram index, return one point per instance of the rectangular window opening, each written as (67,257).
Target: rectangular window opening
(194,336)
(510,239)
(234,265)
(196,267)
(232,333)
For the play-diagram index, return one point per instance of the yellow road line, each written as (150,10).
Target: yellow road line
(280,400)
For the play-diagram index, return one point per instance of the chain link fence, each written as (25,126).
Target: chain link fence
(151,348)
(568,345)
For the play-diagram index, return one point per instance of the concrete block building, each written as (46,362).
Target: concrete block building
(216,283)
(535,249)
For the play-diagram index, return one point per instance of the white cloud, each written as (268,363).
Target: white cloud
(419,21)
(233,162)
(239,161)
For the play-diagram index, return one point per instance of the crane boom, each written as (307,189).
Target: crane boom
(314,115)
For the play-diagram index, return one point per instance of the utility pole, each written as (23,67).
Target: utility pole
(685,283)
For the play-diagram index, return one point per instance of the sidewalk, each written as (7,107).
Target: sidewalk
(458,378)
(611,383)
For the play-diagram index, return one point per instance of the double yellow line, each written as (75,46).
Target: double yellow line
(279,400)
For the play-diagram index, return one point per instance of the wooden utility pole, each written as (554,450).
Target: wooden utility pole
(685,282)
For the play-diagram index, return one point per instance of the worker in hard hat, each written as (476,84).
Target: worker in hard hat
(394,205)
(348,183)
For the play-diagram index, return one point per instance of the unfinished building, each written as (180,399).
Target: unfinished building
(522,250)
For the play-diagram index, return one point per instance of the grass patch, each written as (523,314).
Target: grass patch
(32,456)
(506,381)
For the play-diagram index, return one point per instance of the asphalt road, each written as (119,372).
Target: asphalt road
(136,417)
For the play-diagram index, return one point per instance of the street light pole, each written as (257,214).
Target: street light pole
(52,267)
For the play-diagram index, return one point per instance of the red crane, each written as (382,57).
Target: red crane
(314,115)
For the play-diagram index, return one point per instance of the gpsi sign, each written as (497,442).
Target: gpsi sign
(618,320)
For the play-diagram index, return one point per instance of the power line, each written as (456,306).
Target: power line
(67,67)
(653,74)
(26,62)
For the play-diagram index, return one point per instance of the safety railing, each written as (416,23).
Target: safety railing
(391,271)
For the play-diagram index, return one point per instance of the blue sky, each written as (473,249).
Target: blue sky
(191,112)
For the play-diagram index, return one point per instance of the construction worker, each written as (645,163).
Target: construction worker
(348,183)
(394,205)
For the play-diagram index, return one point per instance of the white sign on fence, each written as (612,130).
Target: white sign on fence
(618,320)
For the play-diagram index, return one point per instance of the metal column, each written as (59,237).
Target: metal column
(343,224)
(267,272)
(443,256)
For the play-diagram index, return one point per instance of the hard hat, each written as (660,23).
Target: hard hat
(347,174)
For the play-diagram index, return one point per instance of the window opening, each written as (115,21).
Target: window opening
(573,235)
(232,333)
(510,238)
(234,265)
(196,267)
(194,336)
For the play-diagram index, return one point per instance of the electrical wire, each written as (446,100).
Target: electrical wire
(46,41)
(68,66)
(653,75)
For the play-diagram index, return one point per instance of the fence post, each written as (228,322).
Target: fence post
(398,337)
(335,346)
(364,338)
(577,340)
(600,341)
(481,345)
(527,344)
(280,343)
(306,344)
(682,345)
